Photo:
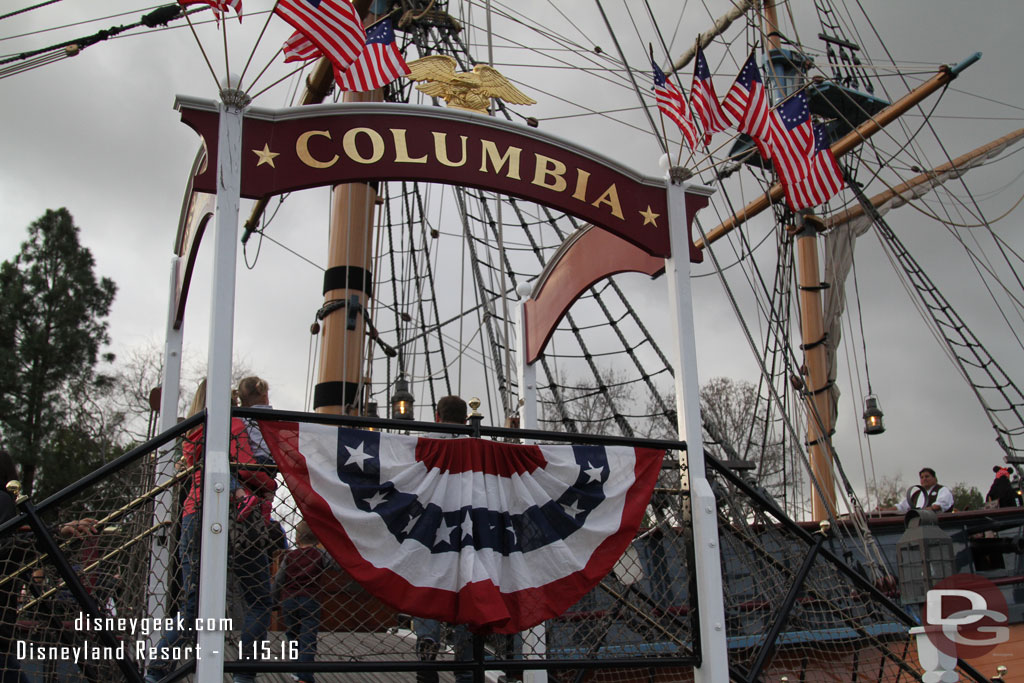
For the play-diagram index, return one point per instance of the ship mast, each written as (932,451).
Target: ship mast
(784,75)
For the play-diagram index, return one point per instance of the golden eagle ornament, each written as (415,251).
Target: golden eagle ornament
(472,90)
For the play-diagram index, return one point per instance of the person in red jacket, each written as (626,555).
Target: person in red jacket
(253,575)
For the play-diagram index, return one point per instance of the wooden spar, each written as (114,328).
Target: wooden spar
(856,211)
(721,24)
(840,147)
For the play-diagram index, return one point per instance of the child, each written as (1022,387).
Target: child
(299,577)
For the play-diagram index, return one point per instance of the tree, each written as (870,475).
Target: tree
(736,429)
(966,498)
(888,491)
(52,326)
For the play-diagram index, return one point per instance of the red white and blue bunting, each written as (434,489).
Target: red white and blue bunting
(493,535)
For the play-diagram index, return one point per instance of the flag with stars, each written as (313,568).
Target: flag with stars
(672,104)
(704,99)
(792,138)
(379,64)
(823,181)
(333,26)
(747,104)
(497,536)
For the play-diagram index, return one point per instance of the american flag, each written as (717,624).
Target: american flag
(672,104)
(299,48)
(498,536)
(747,104)
(219,6)
(823,181)
(333,26)
(379,64)
(704,100)
(792,138)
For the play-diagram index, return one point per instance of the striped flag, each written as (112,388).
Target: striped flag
(704,100)
(747,104)
(822,182)
(379,64)
(299,48)
(672,104)
(494,535)
(792,138)
(333,26)
(219,6)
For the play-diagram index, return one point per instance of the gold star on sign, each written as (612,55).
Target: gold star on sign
(650,218)
(266,156)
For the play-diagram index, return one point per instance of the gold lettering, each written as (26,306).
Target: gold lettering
(611,198)
(489,151)
(302,149)
(581,185)
(402,148)
(548,167)
(348,143)
(441,150)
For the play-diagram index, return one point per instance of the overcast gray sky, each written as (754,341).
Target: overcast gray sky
(98,134)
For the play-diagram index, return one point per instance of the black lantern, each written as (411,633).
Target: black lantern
(925,555)
(872,416)
(401,400)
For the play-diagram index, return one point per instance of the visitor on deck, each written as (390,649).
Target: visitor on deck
(928,495)
(297,585)
(1002,492)
(451,410)
(254,583)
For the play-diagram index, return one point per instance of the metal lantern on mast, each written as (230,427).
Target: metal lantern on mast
(873,423)
(402,400)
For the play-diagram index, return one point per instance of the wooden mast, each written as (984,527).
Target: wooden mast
(348,280)
(817,388)
(818,395)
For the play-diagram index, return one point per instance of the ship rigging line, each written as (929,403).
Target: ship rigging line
(27,9)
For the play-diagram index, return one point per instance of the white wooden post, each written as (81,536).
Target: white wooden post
(535,640)
(160,550)
(710,603)
(216,474)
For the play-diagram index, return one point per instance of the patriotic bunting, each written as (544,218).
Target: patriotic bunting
(493,535)
(823,181)
(379,64)
(672,104)
(333,26)
(704,100)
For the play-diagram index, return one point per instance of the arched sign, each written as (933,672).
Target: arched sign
(310,146)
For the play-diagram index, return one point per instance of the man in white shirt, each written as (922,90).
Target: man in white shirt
(929,495)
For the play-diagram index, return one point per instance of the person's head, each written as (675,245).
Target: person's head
(198,399)
(927,477)
(304,535)
(8,470)
(1001,472)
(451,409)
(253,391)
